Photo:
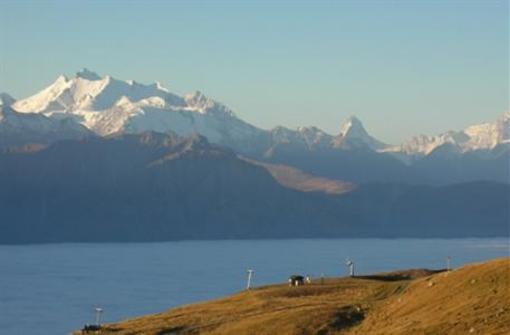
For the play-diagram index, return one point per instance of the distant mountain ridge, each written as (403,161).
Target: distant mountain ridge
(91,105)
(19,129)
(107,105)
(485,136)
(157,187)
(94,158)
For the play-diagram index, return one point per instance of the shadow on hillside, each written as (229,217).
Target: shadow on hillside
(401,275)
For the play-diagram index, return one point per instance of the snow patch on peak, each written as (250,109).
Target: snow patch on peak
(54,97)
(153,102)
(198,102)
(123,100)
(160,87)
(310,130)
(156,102)
(197,98)
(312,133)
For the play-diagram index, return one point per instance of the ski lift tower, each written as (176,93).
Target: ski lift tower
(250,275)
(350,264)
(99,312)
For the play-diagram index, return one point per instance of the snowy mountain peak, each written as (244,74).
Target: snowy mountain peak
(87,91)
(200,103)
(88,75)
(106,105)
(6,99)
(352,127)
(483,136)
(62,79)
(353,135)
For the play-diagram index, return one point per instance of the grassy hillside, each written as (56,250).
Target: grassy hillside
(474,299)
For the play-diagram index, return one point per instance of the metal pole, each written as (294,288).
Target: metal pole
(250,273)
(448,265)
(350,264)
(98,315)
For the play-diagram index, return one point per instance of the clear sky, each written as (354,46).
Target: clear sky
(402,67)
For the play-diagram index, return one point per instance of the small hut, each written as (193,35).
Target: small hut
(296,280)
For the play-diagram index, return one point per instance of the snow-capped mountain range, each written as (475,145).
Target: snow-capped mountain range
(18,129)
(89,103)
(483,136)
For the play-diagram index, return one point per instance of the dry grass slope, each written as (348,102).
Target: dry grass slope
(298,180)
(474,299)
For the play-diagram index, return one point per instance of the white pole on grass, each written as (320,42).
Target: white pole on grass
(350,264)
(250,275)
(99,311)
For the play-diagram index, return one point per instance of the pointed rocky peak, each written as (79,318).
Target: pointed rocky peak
(88,75)
(312,131)
(197,98)
(198,102)
(60,84)
(62,79)
(353,135)
(6,99)
(54,97)
(314,137)
(352,127)
(281,134)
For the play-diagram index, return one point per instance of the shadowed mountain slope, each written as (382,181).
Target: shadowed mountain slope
(154,187)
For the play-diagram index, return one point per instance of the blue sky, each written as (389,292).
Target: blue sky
(402,67)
